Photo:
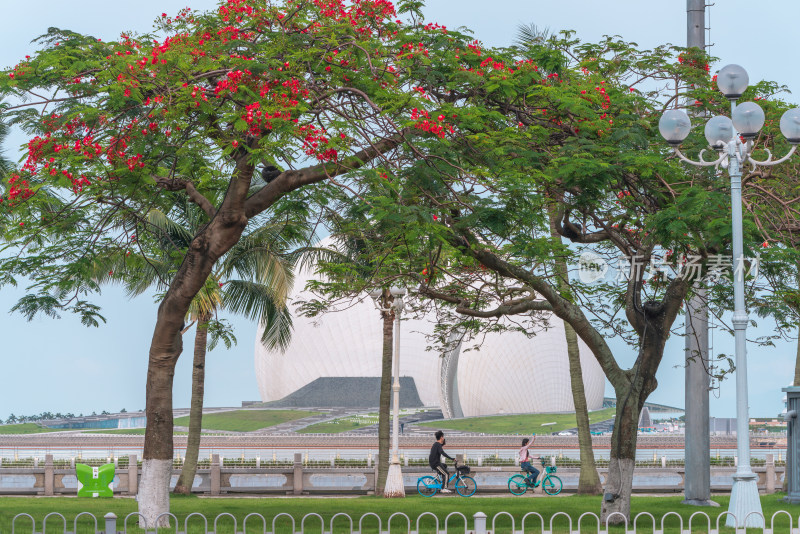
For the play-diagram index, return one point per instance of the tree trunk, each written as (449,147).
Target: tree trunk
(619,482)
(186,479)
(631,397)
(589,479)
(384,403)
(224,230)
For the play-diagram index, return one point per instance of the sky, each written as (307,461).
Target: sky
(59,365)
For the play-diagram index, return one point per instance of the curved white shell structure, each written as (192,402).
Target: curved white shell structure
(509,373)
(512,373)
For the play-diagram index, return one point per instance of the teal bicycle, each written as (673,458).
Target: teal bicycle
(465,485)
(551,484)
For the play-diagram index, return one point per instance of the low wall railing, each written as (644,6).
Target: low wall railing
(299,478)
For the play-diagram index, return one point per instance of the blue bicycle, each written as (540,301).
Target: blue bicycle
(429,486)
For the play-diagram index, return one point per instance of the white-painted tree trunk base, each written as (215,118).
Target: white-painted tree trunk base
(394,482)
(153,493)
(619,486)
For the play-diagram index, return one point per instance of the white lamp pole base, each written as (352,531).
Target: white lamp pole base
(745,502)
(394,482)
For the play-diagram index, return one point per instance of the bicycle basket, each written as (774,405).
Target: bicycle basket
(550,469)
(463,469)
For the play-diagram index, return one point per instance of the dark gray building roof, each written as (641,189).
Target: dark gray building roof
(347,392)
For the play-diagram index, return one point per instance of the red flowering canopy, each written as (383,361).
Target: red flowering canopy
(289,83)
(285,86)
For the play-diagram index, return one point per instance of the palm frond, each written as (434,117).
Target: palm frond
(530,34)
(261,256)
(171,233)
(254,301)
(206,302)
(305,257)
(278,331)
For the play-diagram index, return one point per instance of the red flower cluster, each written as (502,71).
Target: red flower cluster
(408,50)
(18,189)
(314,140)
(435,26)
(692,63)
(434,126)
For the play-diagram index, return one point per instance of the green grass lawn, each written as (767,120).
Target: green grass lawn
(344,424)
(246,420)
(413,505)
(24,428)
(519,424)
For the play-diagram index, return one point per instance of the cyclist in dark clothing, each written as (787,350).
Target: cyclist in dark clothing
(435,459)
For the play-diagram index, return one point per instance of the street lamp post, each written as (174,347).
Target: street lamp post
(394,479)
(721,133)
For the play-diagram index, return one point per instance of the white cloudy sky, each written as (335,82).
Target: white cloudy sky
(60,365)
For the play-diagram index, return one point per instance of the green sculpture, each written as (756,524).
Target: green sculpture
(95,481)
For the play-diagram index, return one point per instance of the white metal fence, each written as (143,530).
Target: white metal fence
(425,523)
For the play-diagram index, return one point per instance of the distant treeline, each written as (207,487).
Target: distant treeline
(16,419)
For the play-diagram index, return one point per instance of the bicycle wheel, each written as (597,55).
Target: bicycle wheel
(466,486)
(517,485)
(551,485)
(427,486)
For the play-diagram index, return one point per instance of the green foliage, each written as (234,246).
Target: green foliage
(270,88)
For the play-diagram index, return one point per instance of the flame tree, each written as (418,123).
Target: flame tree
(266,105)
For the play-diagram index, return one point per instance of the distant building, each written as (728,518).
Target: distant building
(644,420)
(722,425)
(108,421)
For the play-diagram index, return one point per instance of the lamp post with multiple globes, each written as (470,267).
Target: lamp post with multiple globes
(394,479)
(732,138)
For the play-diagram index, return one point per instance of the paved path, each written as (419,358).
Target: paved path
(328,414)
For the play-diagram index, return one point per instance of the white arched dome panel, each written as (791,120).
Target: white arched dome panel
(343,343)
(513,373)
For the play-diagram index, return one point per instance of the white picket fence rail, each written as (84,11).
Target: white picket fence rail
(425,523)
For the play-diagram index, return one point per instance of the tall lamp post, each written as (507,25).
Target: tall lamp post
(394,479)
(721,133)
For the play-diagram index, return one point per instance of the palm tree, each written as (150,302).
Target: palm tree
(253,280)
(352,273)
(534,43)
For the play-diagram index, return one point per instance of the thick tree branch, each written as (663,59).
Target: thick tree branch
(575,233)
(179,184)
(561,307)
(290,180)
(515,307)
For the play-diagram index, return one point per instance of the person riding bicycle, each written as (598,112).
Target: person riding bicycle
(525,460)
(435,459)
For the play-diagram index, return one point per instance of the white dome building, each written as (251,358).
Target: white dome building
(508,373)
(513,373)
